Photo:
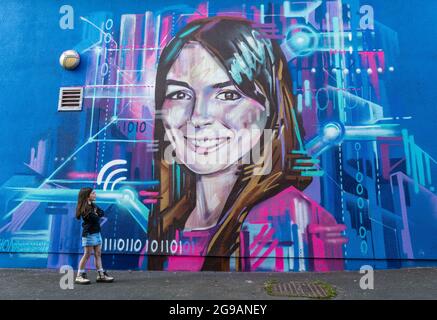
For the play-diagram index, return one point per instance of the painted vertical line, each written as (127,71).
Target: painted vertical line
(375,151)
(173,178)
(262,13)
(405,232)
(406,150)
(343,36)
(121,57)
(428,169)
(157,29)
(377,173)
(419,159)
(122,41)
(182,180)
(178,180)
(296,129)
(295,232)
(307,92)
(117,84)
(94,95)
(413,164)
(328,28)
(134,44)
(294,87)
(299,103)
(338,73)
(300,223)
(147,18)
(299,77)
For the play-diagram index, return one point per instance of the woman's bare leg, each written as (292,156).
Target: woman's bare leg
(98,257)
(86,255)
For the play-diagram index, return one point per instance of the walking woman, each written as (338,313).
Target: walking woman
(91,237)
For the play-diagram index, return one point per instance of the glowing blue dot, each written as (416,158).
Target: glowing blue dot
(331,132)
(300,40)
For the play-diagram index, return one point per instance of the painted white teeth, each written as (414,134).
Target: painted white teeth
(207,142)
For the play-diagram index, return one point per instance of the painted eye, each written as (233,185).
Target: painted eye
(179,95)
(229,95)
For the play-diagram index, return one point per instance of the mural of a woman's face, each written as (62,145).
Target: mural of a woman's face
(210,123)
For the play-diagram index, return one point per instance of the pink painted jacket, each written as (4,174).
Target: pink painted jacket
(288,232)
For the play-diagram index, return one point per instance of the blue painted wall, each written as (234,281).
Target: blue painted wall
(32,41)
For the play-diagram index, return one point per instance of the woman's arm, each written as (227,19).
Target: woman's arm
(100,212)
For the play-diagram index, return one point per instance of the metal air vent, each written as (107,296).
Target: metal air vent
(70,99)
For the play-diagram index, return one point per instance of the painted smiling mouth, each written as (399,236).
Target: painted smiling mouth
(206,143)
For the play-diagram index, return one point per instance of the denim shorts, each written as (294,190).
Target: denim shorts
(92,240)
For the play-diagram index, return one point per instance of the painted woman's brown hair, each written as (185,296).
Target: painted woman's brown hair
(253,64)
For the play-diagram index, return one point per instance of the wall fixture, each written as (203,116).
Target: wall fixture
(70,99)
(69,59)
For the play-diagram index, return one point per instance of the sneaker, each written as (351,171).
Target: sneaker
(104,277)
(82,279)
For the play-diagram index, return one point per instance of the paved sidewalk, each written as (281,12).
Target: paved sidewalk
(419,283)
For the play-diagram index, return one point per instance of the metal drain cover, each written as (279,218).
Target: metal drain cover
(300,289)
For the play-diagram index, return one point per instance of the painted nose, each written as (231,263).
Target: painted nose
(200,121)
(200,116)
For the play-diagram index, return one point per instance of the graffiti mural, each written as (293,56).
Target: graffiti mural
(246,137)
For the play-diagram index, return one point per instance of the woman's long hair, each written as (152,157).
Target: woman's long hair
(251,63)
(82,201)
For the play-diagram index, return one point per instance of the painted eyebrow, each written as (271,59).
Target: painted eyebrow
(222,85)
(178,83)
(186,85)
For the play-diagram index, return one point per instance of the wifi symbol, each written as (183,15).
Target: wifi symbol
(112,175)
